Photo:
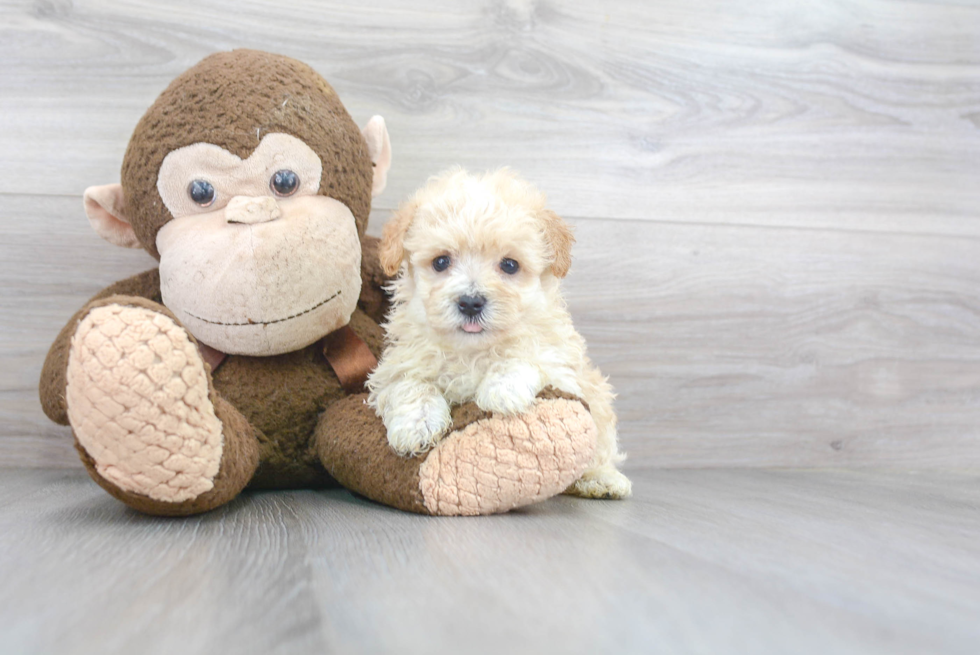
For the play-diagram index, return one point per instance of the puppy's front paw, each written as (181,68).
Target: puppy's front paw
(509,393)
(564,379)
(417,426)
(605,482)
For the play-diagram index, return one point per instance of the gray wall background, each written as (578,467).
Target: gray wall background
(776,202)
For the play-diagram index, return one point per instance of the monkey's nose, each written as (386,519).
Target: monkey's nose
(471,305)
(250,209)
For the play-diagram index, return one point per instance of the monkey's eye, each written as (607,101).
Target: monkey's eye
(201,192)
(509,266)
(284,182)
(441,263)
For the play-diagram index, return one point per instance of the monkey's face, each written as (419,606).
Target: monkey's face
(255,262)
(251,184)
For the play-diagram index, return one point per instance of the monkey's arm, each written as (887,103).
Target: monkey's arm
(374,300)
(486,464)
(53,375)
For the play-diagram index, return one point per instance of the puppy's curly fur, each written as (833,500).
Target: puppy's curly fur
(478,315)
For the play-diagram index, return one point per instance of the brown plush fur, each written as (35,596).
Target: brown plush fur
(241,455)
(374,303)
(52,387)
(237,468)
(282,396)
(349,426)
(286,421)
(232,100)
(211,102)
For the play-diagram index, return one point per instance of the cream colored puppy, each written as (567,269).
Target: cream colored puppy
(478,316)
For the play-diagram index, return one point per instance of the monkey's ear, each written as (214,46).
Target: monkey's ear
(104,208)
(392,249)
(379,147)
(559,236)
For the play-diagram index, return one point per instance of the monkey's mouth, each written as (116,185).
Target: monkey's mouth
(278,320)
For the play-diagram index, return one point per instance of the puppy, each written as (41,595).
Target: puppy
(478,316)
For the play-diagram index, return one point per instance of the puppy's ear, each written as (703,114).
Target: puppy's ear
(392,251)
(559,236)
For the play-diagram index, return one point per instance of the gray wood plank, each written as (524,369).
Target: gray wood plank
(698,562)
(862,115)
(728,345)
(785,283)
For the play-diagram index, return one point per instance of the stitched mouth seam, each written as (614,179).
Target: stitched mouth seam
(278,320)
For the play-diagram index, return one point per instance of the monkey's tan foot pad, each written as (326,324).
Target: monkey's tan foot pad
(500,463)
(138,403)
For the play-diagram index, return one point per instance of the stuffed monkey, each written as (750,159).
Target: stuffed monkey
(240,360)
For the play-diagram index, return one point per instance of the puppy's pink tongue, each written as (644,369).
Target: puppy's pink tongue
(472,327)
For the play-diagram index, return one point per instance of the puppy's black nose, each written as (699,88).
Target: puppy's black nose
(471,305)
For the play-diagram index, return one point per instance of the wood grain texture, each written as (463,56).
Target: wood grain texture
(859,115)
(776,203)
(728,345)
(717,562)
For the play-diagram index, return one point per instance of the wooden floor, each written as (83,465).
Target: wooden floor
(700,561)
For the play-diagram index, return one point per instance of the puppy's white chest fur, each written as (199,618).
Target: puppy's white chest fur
(459,378)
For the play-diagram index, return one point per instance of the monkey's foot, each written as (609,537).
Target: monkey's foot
(603,482)
(138,401)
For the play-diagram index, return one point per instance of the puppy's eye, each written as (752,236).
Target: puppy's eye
(509,266)
(441,263)
(201,192)
(284,182)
